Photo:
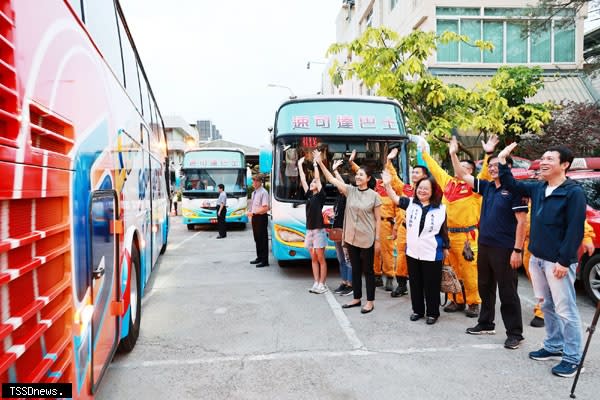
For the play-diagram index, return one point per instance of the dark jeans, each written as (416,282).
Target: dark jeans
(425,281)
(221,222)
(260,225)
(493,269)
(362,262)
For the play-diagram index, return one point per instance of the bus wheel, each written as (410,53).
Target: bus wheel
(135,315)
(191,227)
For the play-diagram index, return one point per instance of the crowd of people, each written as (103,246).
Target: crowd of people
(477,225)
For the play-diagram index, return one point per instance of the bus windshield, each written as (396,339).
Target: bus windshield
(288,150)
(206,180)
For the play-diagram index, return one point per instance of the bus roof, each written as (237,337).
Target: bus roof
(374,99)
(236,149)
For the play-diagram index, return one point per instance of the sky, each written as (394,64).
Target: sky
(214,59)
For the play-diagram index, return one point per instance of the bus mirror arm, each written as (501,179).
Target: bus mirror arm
(98,272)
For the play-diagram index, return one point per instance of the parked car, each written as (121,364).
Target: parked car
(586,171)
(520,169)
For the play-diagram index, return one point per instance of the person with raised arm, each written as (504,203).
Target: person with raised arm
(400,188)
(463,207)
(316,236)
(556,231)
(426,244)
(361,230)
(501,235)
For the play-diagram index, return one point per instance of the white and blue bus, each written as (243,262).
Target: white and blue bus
(203,170)
(336,126)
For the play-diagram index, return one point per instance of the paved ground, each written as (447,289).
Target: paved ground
(215,327)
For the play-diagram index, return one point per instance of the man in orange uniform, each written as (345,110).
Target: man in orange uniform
(418,172)
(463,207)
(383,261)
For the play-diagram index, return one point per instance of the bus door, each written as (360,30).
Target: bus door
(105,286)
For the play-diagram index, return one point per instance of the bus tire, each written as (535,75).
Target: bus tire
(191,227)
(591,273)
(135,316)
(164,246)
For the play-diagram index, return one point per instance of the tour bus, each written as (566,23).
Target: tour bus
(203,170)
(83,195)
(335,126)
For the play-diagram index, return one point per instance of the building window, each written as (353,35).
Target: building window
(369,18)
(507,29)
(393,4)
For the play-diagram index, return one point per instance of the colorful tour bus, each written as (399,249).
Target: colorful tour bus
(335,126)
(203,170)
(84,191)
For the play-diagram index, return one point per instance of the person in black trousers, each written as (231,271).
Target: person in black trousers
(257,211)
(501,236)
(222,212)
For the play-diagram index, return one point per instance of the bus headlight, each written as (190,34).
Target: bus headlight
(288,235)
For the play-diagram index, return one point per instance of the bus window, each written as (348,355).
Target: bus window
(132,83)
(101,21)
(144,96)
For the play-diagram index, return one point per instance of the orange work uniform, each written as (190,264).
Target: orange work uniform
(463,208)
(401,189)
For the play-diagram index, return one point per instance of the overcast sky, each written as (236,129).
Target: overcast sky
(213,59)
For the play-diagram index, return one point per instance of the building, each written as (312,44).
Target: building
(250,152)
(180,137)
(207,131)
(557,49)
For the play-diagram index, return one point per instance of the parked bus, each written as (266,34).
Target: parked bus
(83,194)
(336,126)
(203,170)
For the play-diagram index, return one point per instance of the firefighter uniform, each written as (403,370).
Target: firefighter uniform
(463,207)
(401,267)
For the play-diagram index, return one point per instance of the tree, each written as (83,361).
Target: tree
(395,67)
(577,124)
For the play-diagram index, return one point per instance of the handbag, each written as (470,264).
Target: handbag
(335,234)
(450,282)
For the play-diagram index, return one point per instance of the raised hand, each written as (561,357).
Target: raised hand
(393,154)
(300,162)
(491,144)
(336,164)
(352,156)
(506,152)
(316,156)
(386,178)
(453,148)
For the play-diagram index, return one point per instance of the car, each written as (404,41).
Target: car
(520,169)
(586,171)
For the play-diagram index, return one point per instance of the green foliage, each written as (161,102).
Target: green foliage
(395,66)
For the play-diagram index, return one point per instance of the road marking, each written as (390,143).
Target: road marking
(344,322)
(176,246)
(296,355)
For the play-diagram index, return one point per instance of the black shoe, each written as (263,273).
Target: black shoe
(415,317)
(262,264)
(481,330)
(221,237)
(366,310)
(537,322)
(454,307)
(431,320)
(513,342)
(350,305)
(257,261)
(401,290)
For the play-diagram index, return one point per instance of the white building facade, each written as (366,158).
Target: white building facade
(180,137)
(557,48)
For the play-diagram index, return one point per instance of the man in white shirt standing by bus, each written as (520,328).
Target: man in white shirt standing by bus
(257,211)
(222,212)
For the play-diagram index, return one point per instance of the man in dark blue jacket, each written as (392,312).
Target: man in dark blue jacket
(557,219)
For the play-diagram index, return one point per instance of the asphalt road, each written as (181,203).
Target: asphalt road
(215,327)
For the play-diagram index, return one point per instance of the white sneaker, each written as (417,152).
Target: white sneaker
(321,289)
(314,287)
